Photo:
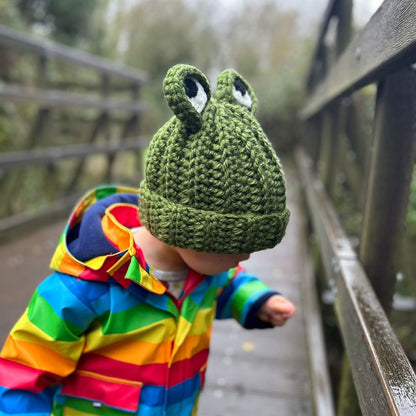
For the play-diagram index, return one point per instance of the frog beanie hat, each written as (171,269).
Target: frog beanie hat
(212,182)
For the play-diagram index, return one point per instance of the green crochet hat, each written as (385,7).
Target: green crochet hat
(213,182)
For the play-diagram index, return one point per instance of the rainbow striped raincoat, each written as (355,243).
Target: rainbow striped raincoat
(103,336)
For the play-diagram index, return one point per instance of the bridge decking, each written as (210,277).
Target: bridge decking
(252,371)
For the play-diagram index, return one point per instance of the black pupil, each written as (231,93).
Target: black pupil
(191,89)
(239,86)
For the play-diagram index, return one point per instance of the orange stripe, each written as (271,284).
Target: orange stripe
(192,346)
(117,233)
(38,357)
(63,261)
(137,352)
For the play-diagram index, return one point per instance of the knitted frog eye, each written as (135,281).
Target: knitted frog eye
(195,93)
(232,88)
(187,93)
(241,94)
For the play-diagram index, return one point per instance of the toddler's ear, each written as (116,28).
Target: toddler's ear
(234,89)
(187,93)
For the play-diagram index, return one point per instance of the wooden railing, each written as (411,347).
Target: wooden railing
(376,168)
(63,107)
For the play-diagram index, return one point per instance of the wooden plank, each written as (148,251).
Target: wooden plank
(58,99)
(333,241)
(321,391)
(15,39)
(387,43)
(384,379)
(15,160)
(317,54)
(389,178)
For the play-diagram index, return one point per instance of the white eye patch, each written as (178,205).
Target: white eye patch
(195,93)
(241,94)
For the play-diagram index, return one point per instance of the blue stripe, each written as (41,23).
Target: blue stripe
(250,302)
(184,390)
(20,402)
(64,303)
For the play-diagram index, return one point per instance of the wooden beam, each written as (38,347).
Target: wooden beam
(15,39)
(58,99)
(23,159)
(387,43)
(384,379)
(391,166)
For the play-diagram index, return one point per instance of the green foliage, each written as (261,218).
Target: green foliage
(411,211)
(66,21)
(258,39)
(9,14)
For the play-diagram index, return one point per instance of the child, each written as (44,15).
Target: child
(123,324)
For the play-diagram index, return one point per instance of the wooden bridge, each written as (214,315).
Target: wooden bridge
(331,276)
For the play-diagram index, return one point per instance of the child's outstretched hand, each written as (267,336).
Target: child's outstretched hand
(276,310)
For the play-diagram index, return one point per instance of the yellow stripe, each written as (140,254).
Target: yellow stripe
(202,321)
(96,263)
(58,255)
(69,411)
(155,333)
(26,331)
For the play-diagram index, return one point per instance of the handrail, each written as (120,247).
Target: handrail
(53,98)
(52,155)
(385,44)
(382,373)
(53,50)
(375,366)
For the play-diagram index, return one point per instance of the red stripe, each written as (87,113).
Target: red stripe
(182,370)
(18,376)
(126,215)
(156,374)
(112,393)
(148,374)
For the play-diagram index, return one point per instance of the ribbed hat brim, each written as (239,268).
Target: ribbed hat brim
(208,231)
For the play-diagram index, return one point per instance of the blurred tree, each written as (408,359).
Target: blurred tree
(257,38)
(65,21)
(264,43)
(153,35)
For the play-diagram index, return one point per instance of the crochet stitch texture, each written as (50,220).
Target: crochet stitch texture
(213,182)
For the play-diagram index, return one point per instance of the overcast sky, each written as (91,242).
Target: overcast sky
(311,11)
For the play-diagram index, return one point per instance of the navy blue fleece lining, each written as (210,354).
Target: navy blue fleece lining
(252,322)
(87,240)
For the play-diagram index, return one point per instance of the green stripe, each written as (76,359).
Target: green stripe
(41,314)
(189,309)
(171,307)
(86,406)
(243,294)
(132,319)
(105,191)
(209,298)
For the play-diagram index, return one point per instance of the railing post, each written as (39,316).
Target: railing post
(332,126)
(389,176)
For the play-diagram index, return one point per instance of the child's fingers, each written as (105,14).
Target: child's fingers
(276,310)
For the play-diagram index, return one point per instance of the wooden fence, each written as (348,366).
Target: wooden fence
(70,115)
(375,166)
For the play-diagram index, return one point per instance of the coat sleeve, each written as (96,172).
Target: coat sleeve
(45,344)
(242,297)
